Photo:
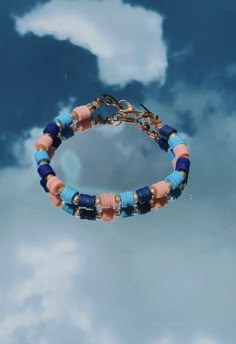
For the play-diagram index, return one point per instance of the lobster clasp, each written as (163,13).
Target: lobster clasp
(127,109)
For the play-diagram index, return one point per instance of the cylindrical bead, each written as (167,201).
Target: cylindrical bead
(175,178)
(183,164)
(44,142)
(84,125)
(144,195)
(127,199)
(64,119)
(70,209)
(166,131)
(108,214)
(68,194)
(41,155)
(44,170)
(181,150)
(43,183)
(55,185)
(163,144)
(82,112)
(160,203)
(161,189)
(108,200)
(87,201)
(52,129)
(174,141)
(55,199)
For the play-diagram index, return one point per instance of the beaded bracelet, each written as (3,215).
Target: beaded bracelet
(108,206)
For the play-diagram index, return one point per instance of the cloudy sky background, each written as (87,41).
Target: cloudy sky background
(167,277)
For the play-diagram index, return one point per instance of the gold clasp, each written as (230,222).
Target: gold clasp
(128,107)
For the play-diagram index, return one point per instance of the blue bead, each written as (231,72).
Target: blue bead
(44,170)
(163,144)
(175,141)
(41,155)
(170,154)
(52,129)
(65,120)
(70,209)
(43,183)
(86,214)
(144,208)
(68,194)
(183,164)
(127,212)
(127,199)
(56,142)
(67,133)
(174,194)
(166,130)
(87,201)
(175,178)
(144,195)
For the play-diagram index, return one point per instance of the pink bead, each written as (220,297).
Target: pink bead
(55,199)
(161,189)
(51,153)
(54,185)
(181,150)
(174,162)
(160,203)
(44,142)
(108,215)
(82,112)
(108,200)
(84,125)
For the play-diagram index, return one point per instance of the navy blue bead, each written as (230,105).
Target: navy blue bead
(166,130)
(183,164)
(56,142)
(43,183)
(87,201)
(67,132)
(52,129)
(44,170)
(86,214)
(144,195)
(174,194)
(127,211)
(144,208)
(163,144)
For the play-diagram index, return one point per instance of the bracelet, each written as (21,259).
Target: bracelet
(109,206)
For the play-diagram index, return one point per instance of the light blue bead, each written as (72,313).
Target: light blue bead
(170,154)
(41,155)
(175,141)
(68,193)
(127,199)
(70,209)
(64,119)
(175,178)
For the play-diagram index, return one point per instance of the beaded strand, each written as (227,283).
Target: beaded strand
(109,206)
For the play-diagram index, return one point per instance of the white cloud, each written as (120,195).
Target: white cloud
(132,50)
(92,278)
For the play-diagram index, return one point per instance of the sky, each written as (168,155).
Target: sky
(165,277)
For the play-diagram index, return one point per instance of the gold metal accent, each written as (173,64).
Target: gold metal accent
(75,200)
(98,201)
(49,176)
(135,197)
(117,199)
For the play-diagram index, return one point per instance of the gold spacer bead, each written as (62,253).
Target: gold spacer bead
(76,200)
(117,199)
(135,197)
(77,213)
(98,201)
(153,193)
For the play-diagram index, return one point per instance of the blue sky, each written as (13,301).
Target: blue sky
(167,277)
